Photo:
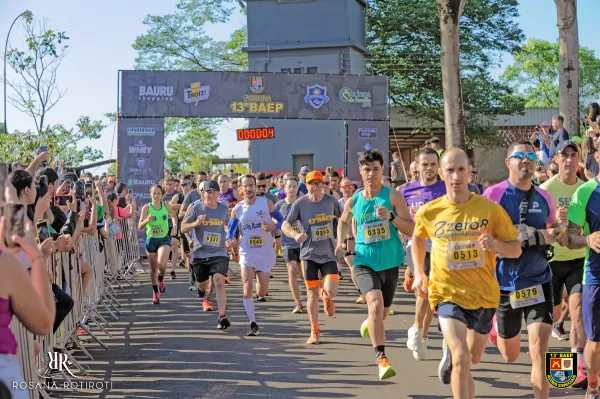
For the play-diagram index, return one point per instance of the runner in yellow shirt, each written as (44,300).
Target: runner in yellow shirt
(467,231)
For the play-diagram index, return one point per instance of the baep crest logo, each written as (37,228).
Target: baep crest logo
(561,369)
(316,96)
(257,84)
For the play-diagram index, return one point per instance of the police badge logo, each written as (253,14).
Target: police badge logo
(316,96)
(561,369)
(257,84)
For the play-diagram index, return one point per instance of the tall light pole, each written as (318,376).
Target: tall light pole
(27,15)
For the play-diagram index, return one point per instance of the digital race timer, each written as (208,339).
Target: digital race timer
(259,133)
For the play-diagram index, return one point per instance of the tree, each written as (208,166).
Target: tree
(568,87)
(192,150)
(450,12)
(534,74)
(404,38)
(36,90)
(112,169)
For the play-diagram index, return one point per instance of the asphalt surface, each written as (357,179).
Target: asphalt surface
(174,351)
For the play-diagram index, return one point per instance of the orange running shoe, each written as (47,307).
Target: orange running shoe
(328,304)
(206,306)
(315,338)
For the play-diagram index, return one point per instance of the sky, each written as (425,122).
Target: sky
(101,37)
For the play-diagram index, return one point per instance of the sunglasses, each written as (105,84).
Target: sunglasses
(532,156)
(261,185)
(326,183)
(315,183)
(348,187)
(185,184)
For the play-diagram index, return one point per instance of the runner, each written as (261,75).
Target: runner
(254,215)
(567,264)
(526,281)
(334,183)
(417,194)
(230,197)
(347,236)
(380,213)
(465,293)
(585,218)
(315,211)
(154,218)
(290,248)
(170,193)
(177,203)
(208,219)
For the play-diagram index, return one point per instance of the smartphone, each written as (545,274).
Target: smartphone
(43,230)
(15,223)
(130,191)
(43,148)
(61,200)
(79,189)
(44,180)
(3,176)
(89,190)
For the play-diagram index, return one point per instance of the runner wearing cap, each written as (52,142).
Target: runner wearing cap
(154,218)
(467,231)
(255,216)
(380,213)
(209,260)
(584,231)
(315,211)
(567,264)
(302,177)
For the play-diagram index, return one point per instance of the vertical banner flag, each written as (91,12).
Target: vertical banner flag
(140,155)
(364,136)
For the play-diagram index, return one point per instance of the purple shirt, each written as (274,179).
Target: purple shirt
(532,267)
(417,195)
(8,343)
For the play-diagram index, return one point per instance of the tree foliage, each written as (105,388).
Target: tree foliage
(535,71)
(404,38)
(192,150)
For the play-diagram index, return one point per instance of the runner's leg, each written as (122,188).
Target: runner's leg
(262,283)
(539,334)
(174,256)
(455,334)
(293,270)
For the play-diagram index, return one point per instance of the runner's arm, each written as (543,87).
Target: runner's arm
(173,214)
(232,225)
(576,239)
(175,205)
(348,208)
(508,249)
(143,218)
(190,221)
(236,195)
(276,216)
(403,222)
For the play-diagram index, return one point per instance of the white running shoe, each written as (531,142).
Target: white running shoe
(421,352)
(416,343)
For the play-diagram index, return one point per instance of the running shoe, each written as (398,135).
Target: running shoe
(227,279)
(592,393)
(173,276)
(558,332)
(341,277)
(192,287)
(182,264)
(162,286)
(391,313)
(445,367)
(298,308)
(360,301)
(385,368)
(493,336)
(581,381)
(206,306)
(223,323)
(261,299)
(82,334)
(253,330)
(416,343)
(315,338)
(236,258)
(155,298)
(328,304)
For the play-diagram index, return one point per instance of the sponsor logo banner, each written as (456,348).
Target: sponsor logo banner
(140,157)
(147,94)
(364,136)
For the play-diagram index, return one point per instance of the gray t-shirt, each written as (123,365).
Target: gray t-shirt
(209,237)
(287,242)
(397,165)
(190,198)
(316,219)
(271,197)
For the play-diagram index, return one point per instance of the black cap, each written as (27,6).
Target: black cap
(209,185)
(434,140)
(564,144)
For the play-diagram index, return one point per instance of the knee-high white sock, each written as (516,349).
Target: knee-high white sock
(249,306)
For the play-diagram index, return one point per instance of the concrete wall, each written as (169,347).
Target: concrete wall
(490,164)
(326,60)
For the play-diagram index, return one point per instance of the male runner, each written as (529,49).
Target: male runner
(170,193)
(417,194)
(289,247)
(380,213)
(230,197)
(255,216)
(208,219)
(347,236)
(467,231)
(567,264)
(526,281)
(584,217)
(177,203)
(334,182)
(315,211)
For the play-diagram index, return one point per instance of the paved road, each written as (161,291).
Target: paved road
(174,351)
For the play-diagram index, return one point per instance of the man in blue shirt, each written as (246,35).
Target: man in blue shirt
(302,178)
(560,135)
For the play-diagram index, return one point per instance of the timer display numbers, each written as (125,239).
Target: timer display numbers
(259,133)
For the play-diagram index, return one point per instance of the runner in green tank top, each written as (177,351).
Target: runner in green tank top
(380,213)
(155,220)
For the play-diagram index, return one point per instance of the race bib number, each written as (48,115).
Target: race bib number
(375,232)
(255,242)
(211,239)
(157,231)
(464,255)
(321,233)
(527,297)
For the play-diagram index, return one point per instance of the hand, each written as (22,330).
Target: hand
(559,236)
(92,199)
(486,241)
(200,220)
(267,227)
(81,219)
(64,243)
(43,204)
(408,281)
(351,246)
(230,244)
(44,156)
(72,206)
(562,215)
(593,240)
(420,285)
(27,243)
(341,247)
(300,238)
(98,185)
(47,247)
(63,188)
(382,212)
(128,198)
(548,236)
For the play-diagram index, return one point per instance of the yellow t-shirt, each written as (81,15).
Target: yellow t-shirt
(562,194)
(461,272)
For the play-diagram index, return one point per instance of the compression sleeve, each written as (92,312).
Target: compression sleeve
(277,216)
(232,228)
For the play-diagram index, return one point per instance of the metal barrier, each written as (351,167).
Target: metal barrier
(112,260)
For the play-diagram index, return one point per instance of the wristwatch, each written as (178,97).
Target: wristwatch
(392,216)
